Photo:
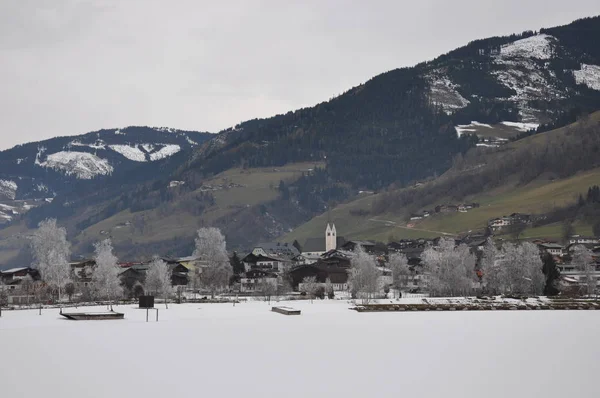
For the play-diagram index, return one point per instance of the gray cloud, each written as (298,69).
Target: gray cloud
(72,66)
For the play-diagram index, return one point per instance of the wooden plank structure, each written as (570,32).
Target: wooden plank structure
(286,310)
(92,316)
(575,305)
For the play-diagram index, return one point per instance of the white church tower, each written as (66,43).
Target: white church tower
(330,238)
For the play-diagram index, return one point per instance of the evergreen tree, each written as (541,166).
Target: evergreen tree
(236,264)
(552,275)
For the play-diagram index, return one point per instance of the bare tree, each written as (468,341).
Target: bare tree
(329,289)
(582,260)
(158,279)
(51,252)
(268,288)
(364,275)
(309,286)
(105,278)
(211,249)
(398,263)
(451,268)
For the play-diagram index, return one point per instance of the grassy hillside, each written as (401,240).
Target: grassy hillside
(363,218)
(240,197)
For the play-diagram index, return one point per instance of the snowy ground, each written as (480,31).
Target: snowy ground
(217,350)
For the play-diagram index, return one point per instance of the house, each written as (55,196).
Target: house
(337,258)
(578,239)
(315,247)
(338,276)
(267,262)
(276,249)
(132,273)
(499,223)
(554,249)
(13,278)
(254,280)
(367,246)
(81,273)
(13,284)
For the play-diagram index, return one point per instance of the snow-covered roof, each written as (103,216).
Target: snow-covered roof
(13,270)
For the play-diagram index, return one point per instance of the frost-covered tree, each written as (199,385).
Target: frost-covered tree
(105,278)
(398,263)
(522,269)
(492,272)
(309,286)
(364,275)
(535,268)
(51,253)
(450,268)
(211,250)
(158,279)
(582,260)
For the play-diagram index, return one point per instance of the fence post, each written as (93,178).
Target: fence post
(157,315)
(147,314)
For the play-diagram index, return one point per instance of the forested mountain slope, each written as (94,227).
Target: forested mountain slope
(542,174)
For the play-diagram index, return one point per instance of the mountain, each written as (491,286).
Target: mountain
(400,126)
(264,177)
(547,175)
(35,173)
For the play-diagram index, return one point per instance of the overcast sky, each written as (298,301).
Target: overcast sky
(72,66)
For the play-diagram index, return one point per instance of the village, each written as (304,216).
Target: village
(324,266)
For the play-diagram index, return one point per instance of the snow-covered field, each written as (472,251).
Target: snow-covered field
(218,350)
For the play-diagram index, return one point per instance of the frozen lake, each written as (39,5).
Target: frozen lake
(217,350)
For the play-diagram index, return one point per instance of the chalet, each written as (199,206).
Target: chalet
(132,273)
(338,276)
(13,277)
(337,258)
(416,217)
(554,249)
(585,240)
(367,246)
(253,280)
(499,223)
(81,273)
(269,263)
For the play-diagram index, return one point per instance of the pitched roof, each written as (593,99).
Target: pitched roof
(13,270)
(286,249)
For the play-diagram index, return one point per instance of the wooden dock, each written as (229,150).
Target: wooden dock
(286,310)
(575,305)
(92,316)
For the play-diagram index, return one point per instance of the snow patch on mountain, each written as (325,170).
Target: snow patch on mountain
(588,75)
(148,147)
(83,165)
(444,93)
(165,152)
(523,127)
(190,141)
(8,189)
(470,128)
(130,152)
(521,68)
(538,46)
